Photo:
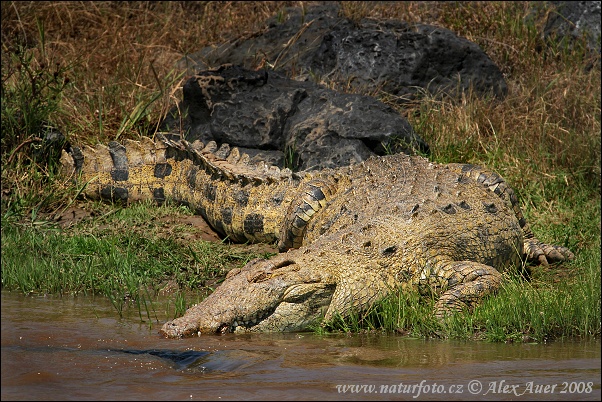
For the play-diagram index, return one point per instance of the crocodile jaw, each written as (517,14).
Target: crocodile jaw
(261,297)
(302,306)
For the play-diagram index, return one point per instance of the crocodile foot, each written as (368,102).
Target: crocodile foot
(469,283)
(544,254)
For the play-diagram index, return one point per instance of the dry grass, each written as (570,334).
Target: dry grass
(121,55)
(553,104)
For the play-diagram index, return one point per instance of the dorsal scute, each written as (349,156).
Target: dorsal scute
(102,159)
(227,162)
(137,153)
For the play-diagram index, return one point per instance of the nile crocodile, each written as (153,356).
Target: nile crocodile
(348,236)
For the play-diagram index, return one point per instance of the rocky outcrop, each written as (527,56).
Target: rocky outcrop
(286,122)
(398,58)
(280,115)
(574,20)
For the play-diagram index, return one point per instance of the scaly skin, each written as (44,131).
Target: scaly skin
(349,236)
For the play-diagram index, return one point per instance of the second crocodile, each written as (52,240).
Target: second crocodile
(348,236)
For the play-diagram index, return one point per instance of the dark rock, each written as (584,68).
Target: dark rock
(274,45)
(399,58)
(402,59)
(288,122)
(573,20)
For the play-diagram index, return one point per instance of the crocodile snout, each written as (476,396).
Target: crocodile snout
(281,294)
(177,329)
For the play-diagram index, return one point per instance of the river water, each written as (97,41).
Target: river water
(79,349)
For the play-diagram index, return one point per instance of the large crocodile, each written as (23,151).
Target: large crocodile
(347,236)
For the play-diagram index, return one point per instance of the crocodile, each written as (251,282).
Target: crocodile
(347,236)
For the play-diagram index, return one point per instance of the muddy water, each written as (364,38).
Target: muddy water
(68,349)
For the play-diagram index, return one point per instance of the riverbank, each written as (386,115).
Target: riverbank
(98,83)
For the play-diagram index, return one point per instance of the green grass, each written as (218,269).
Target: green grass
(124,255)
(522,311)
(78,75)
(31,93)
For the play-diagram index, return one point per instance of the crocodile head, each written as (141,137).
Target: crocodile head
(332,277)
(266,295)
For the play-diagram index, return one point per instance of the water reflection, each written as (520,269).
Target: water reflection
(188,359)
(76,348)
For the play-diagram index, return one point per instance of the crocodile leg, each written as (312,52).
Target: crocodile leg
(354,295)
(467,283)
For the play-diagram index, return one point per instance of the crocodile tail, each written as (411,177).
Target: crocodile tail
(311,198)
(239,199)
(108,172)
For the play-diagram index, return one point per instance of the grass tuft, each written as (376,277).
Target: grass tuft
(125,256)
